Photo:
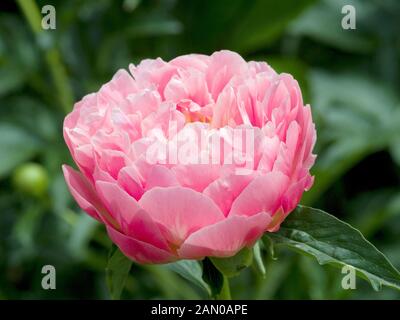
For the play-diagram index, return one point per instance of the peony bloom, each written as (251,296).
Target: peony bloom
(191,158)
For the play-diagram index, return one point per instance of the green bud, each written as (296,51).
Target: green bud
(232,266)
(31,179)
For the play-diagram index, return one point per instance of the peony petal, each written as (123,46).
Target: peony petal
(197,176)
(85,196)
(132,219)
(263,194)
(225,238)
(180,211)
(225,190)
(223,66)
(130,180)
(160,176)
(139,251)
(192,61)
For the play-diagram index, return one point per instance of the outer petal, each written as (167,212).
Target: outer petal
(132,219)
(180,211)
(85,195)
(225,238)
(263,194)
(139,251)
(290,199)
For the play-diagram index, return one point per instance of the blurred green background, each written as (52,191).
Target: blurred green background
(351,78)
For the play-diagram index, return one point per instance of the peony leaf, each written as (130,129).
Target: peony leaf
(269,245)
(331,241)
(232,266)
(192,271)
(117,272)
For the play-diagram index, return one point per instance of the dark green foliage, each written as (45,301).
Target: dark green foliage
(351,78)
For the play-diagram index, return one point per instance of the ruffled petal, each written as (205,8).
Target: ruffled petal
(225,238)
(180,211)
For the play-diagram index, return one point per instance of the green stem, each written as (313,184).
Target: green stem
(225,293)
(52,56)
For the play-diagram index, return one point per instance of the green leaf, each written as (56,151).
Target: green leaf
(30,114)
(117,272)
(258,259)
(269,245)
(213,277)
(232,266)
(17,146)
(331,241)
(264,22)
(192,271)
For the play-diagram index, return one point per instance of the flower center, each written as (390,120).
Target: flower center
(192,112)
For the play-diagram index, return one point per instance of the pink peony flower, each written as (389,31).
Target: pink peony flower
(179,201)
